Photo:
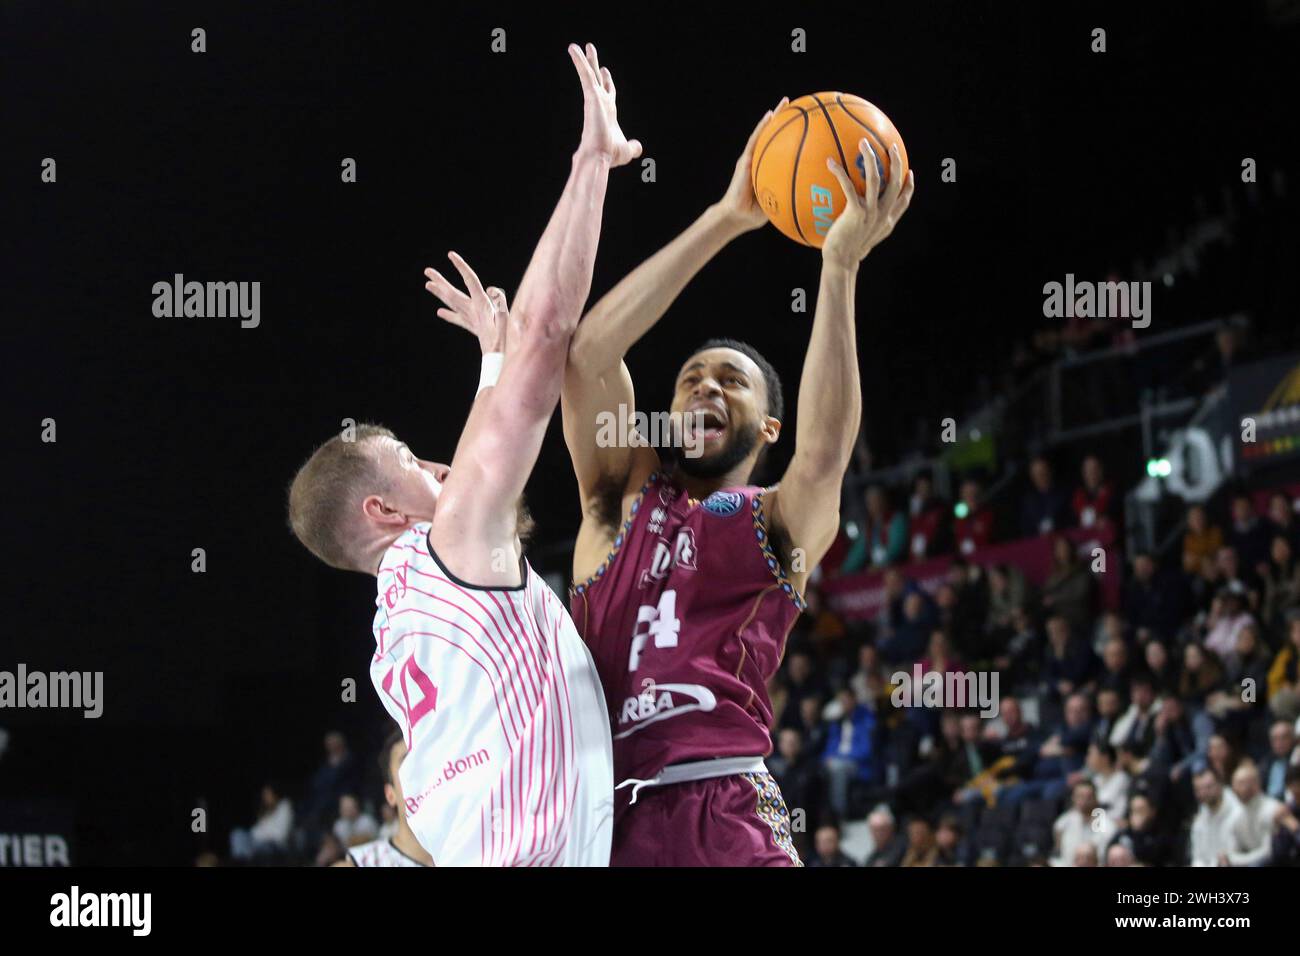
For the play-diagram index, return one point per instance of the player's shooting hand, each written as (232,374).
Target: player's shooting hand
(600,129)
(739,204)
(481,311)
(868,218)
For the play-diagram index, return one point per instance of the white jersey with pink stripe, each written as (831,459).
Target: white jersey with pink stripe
(509,757)
(380,853)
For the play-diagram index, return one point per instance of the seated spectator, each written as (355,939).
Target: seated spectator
(1253,833)
(1108,779)
(270,834)
(1284,674)
(1059,756)
(797,774)
(1069,663)
(801,681)
(1227,617)
(850,753)
(1202,675)
(922,850)
(1044,507)
(868,682)
(810,724)
(1093,503)
(1008,593)
(353,826)
(973,525)
(1281,578)
(1281,520)
(1286,838)
(1246,667)
(927,520)
(1221,757)
(904,642)
(1152,600)
(1137,727)
(1085,855)
(1238,577)
(1247,533)
(1216,819)
(1022,651)
(947,841)
(1080,825)
(1115,669)
(335,777)
(826,848)
(1110,706)
(1282,756)
(888,844)
(1120,853)
(883,540)
(1070,590)
(963,602)
(1202,540)
(331,851)
(1171,753)
(1142,833)
(1161,668)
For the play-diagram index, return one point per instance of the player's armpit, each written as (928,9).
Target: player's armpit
(804,513)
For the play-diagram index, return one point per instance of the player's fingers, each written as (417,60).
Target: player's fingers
(634,145)
(443,289)
(607,79)
(582,66)
(471,279)
(498,298)
(894,188)
(593,59)
(905,197)
(870,172)
(846,184)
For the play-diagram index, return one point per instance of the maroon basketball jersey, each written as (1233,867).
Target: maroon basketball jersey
(687,620)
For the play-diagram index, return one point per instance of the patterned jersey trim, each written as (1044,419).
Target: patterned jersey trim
(770,555)
(771,809)
(618,540)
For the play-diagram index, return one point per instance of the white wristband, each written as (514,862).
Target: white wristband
(491,370)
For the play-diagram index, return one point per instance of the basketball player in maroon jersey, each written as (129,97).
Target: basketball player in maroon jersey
(687,580)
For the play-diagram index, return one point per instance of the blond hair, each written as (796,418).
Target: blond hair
(328,490)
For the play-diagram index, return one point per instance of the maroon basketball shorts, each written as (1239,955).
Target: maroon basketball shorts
(737,820)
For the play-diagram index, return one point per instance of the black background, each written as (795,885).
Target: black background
(175,434)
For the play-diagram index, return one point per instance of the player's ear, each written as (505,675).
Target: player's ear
(375,510)
(770,430)
(390,796)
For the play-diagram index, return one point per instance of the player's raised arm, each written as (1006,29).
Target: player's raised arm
(499,446)
(596,381)
(807,503)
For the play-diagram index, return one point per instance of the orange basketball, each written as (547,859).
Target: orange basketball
(796,190)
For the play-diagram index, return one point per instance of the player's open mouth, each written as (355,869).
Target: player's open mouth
(707,423)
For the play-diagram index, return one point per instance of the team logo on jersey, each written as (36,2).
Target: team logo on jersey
(661,701)
(723,503)
(657,518)
(680,555)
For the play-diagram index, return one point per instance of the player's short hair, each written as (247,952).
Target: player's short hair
(775,394)
(335,478)
(386,754)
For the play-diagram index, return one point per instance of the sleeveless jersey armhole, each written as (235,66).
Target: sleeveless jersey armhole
(769,551)
(581,587)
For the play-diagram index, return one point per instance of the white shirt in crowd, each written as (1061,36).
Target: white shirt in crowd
(359,830)
(1212,830)
(1072,829)
(1112,792)
(276,826)
(1253,833)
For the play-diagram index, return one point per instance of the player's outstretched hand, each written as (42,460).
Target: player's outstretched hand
(482,312)
(739,204)
(600,130)
(868,218)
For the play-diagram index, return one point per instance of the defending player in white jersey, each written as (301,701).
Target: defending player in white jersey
(509,759)
(402,848)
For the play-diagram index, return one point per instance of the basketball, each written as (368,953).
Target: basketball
(791,181)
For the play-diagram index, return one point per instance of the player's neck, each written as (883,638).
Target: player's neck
(700,488)
(406,842)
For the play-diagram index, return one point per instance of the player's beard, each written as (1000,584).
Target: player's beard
(743,442)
